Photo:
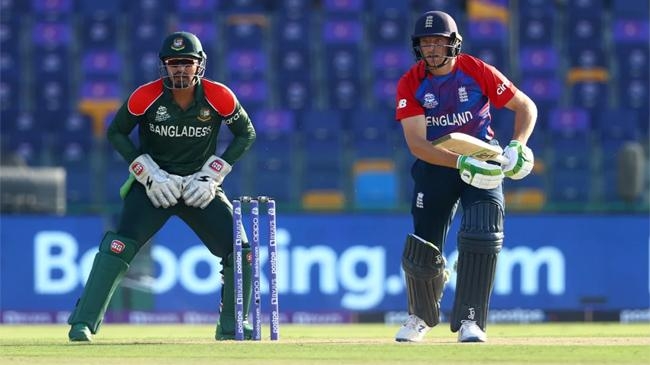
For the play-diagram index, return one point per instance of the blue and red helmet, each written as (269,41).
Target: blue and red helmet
(436,23)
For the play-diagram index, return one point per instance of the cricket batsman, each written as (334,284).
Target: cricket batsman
(448,91)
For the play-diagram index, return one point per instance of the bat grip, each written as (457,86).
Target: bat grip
(502,159)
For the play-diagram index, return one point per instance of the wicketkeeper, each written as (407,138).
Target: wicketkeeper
(173,171)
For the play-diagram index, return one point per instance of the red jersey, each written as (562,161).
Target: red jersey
(456,102)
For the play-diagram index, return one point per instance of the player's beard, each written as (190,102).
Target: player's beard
(434,61)
(182,80)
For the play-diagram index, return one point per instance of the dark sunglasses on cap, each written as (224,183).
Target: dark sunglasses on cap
(180,61)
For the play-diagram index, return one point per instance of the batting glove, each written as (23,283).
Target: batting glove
(163,189)
(201,187)
(478,173)
(521,160)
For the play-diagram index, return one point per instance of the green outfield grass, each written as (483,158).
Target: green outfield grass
(574,343)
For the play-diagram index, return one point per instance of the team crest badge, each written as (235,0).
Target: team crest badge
(204,115)
(430,101)
(178,44)
(462,94)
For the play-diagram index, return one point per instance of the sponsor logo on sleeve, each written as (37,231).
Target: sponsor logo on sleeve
(233,118)
(503,87)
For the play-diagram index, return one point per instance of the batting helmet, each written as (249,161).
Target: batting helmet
(436,23)
(181,45)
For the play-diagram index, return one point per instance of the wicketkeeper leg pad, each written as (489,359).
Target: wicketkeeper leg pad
(479,241)
(424,267)
(226,326)
(110,265)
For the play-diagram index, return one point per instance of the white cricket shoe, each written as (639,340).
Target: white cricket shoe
(413,330)
(471,332)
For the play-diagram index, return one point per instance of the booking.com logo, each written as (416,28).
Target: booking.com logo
(359,274)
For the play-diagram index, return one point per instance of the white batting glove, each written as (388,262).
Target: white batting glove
(163,189)
(478,173)
(201,187)
(521,160)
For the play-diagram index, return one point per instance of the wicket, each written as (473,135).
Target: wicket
(238,228)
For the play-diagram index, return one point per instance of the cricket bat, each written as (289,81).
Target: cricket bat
(465,144)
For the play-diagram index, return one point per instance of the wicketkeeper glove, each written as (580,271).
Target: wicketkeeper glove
(163,188)
(201,187)
(521,160)
(478,173)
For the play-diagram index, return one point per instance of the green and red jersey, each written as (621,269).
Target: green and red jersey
(180,141)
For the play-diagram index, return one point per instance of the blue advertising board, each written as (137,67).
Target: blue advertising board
(344,263)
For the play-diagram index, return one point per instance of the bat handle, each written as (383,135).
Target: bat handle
(503,160)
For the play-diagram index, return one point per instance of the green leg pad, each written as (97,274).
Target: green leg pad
(110,265)
(226,325)
(105,276)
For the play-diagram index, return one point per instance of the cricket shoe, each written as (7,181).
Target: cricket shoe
(471,332)
(413,330)
(226,331)
(79,332)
